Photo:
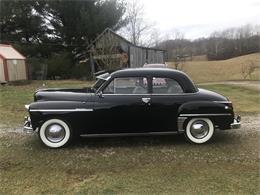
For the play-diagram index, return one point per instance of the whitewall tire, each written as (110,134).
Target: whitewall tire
(199,130)
(55,133)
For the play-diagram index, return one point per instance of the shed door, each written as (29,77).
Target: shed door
(16,70)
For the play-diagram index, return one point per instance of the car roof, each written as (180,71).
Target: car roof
(147,71)
(177,75)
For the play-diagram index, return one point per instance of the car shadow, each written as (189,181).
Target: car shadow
(130,141)
(220,137)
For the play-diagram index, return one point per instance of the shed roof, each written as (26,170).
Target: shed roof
(8,52)
(122,38)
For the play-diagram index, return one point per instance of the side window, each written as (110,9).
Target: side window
(127,85)
(166,86)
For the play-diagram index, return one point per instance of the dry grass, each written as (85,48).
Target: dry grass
(200,58)
(223,70)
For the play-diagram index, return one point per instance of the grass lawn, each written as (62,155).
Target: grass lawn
(229,163)
(244,100)
(220,70)
(14,97)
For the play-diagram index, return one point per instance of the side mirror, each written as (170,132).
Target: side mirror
(100,94)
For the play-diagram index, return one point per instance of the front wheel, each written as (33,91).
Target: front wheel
(199,130)
(55,133)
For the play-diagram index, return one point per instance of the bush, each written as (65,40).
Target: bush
(60,65)
(81,71)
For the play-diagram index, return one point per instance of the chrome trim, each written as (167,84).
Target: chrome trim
(27,106)
(221,114)
(223,102)
(146,100)
(153,94)
(27,126)
(62,110)
(134,94)
(180,123)
(130,134)
(171,94)
(236,124)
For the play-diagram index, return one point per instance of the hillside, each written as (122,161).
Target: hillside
(223,70)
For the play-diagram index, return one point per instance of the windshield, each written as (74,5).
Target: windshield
(100,80)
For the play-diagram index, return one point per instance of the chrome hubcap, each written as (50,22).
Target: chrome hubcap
(55,133)
(199,129)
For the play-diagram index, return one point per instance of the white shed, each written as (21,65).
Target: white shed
(12,64)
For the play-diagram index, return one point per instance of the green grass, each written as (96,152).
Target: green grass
(135,165)
(244,100)
(14,97)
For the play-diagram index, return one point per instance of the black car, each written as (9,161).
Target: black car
(137,101)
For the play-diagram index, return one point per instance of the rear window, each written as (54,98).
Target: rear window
(166,86)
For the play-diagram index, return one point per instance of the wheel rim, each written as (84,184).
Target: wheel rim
(55,133)
(199,129)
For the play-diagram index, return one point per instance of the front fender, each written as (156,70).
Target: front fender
(71,111)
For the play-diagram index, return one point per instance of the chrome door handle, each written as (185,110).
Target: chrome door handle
(146,100)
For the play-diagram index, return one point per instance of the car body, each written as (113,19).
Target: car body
(130,102)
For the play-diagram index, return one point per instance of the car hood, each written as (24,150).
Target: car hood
(63,94)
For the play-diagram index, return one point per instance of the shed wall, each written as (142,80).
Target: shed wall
(140,56)
(2,75)
(16,71)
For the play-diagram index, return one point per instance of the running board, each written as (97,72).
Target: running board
(130,134)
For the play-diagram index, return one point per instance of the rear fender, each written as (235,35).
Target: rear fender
(219,113)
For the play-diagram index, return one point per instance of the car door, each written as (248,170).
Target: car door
(167,96)
(123,106)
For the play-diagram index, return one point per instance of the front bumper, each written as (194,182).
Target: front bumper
(27,127)
(236,124)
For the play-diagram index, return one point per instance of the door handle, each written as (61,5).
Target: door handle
(146,100)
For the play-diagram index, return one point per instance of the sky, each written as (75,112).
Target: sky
(199,18)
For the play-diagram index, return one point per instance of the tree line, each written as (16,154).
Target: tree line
(220,45)
(56,33)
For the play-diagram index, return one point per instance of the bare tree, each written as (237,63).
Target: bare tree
(106,53)
(248,69)
(137,27)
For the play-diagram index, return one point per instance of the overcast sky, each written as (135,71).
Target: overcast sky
(198,18)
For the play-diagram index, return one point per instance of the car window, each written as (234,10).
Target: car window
(166,86)
(127,85)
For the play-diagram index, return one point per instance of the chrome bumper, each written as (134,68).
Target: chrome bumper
(27,126)
(236,124)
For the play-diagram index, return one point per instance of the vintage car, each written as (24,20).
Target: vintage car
(129,102)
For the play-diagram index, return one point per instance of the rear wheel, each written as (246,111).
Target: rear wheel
(55,133)
(199,130)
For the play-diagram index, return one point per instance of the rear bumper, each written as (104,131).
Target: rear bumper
(236,124)
(27,127)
